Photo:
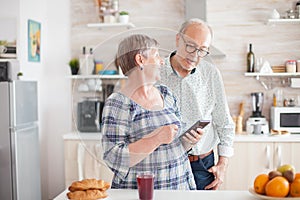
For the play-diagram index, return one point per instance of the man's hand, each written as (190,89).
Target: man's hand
(219,173)
(192,138)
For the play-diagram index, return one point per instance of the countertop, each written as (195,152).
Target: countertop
(238,137)
(118,194)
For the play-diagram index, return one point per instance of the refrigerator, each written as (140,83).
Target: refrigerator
(19,141)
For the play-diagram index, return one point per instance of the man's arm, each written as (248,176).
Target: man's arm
(219,171)
(225,128)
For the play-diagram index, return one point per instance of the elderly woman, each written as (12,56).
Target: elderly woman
(141,123)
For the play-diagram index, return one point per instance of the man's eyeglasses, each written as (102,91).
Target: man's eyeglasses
(191,49)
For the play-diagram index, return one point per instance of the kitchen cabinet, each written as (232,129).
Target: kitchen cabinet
(83,158)
(252,155)
(253,158)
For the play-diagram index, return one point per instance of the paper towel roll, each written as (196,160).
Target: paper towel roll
(295,82)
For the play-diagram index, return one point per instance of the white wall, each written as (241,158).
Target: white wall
(58,92)
(51,73)
(235,24)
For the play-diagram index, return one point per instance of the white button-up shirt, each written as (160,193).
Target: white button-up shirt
(201,95)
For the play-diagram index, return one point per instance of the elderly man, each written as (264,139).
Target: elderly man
(199,89)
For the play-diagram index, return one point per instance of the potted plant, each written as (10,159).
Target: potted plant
(74,65)
(123,17)
(19,75)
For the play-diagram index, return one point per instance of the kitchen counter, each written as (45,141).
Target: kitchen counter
(238,137)
(82,136)
(118,194)
(267,138)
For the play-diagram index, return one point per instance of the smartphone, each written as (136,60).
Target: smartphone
(199,124)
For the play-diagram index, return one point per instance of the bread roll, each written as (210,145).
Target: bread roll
(89,184)
(88,189)
(87,195)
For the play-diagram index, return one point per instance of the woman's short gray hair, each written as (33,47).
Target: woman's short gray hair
(130,47)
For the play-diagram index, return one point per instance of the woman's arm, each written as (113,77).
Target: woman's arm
(145,146)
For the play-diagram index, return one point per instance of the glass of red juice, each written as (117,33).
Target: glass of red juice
(145,181)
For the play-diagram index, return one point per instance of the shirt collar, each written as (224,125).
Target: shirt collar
(168,63)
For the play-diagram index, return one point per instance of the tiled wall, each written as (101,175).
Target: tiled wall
(235,25)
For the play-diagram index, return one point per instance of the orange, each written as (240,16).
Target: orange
(260,182)
(295,188)
(297,176)
(278,187)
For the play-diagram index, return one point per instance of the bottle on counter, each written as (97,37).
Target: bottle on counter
(239,124)
(278,98)
(91,62)
(86,62)
(82,62)
(250,60)
(298,9)
(115,6)
(274,100)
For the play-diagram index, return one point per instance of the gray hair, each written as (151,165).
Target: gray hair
(130,47)
(192,21)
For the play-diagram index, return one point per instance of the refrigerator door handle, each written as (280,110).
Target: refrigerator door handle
(23,127)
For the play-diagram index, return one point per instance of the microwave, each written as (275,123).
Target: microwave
(9,69)
(285,118)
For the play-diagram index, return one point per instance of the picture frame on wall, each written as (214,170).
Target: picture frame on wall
(34,41)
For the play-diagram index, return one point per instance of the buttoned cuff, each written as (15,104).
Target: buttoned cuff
(225,151)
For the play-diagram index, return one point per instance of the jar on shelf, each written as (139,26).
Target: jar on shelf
(285,102)
(290,14)
(290,66)
(291,102)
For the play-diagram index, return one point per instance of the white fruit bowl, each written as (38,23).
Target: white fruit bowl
(260,196)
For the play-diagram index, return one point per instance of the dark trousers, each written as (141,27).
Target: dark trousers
(201,175)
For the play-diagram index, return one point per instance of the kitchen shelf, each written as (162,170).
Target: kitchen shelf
(267,79)
(272,74)
(98,76)
(107,25)
(283,21)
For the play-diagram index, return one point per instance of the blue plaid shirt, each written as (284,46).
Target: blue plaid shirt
(125,122)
